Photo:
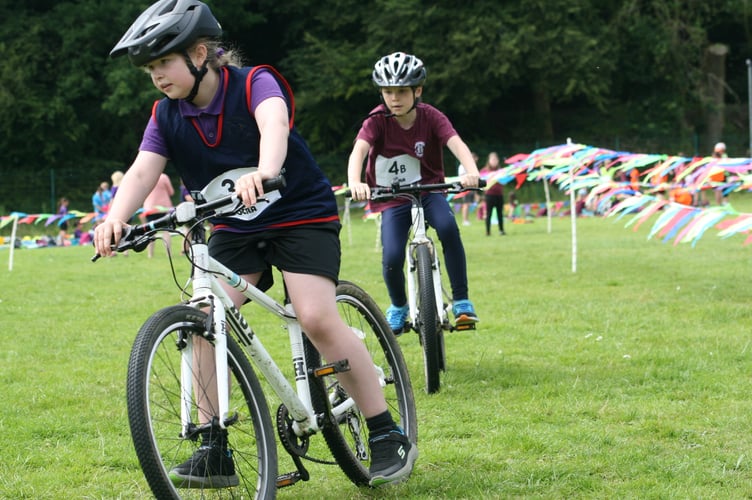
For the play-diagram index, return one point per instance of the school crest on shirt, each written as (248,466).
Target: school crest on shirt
(420,146)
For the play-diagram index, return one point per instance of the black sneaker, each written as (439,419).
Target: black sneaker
(211,466)
(392,457)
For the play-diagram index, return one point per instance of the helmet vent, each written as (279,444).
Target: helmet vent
(169,7)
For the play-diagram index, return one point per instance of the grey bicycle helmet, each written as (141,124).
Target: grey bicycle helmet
(399,70)
(167,26)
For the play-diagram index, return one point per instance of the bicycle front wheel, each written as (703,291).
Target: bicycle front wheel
(153,395)
(429,326)
(347,434)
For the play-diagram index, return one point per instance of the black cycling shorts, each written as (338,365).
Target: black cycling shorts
(306,249)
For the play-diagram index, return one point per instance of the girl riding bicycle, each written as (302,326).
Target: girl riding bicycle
(224,125)
(404,141)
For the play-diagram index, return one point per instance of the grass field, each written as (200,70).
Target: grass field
(627,378)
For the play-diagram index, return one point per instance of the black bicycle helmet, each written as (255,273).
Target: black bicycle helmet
(167,26)
(399,70)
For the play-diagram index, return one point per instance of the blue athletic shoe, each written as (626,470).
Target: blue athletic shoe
(397,317)
(464,313)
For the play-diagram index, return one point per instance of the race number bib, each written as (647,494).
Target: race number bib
(225,184)
(402,169)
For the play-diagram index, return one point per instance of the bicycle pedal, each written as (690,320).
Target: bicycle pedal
(332,368)
(462,327)
(288,479)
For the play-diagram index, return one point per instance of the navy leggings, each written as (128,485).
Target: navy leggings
(395,227)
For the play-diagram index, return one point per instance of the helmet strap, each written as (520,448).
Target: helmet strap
(387,113)
(416,100)
(198,75)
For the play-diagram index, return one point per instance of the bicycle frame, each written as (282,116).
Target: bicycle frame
(428,302)
(169,387)
(207,292)
(420,237)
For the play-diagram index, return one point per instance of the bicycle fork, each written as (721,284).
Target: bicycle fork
(215,330)
(421,238)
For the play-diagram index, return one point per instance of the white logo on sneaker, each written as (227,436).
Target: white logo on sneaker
(401,452)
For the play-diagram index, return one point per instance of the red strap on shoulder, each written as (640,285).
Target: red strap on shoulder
(154,110)
(280,79)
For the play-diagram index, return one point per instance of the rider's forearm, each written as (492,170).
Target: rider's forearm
(355,162)
(272,119)
(463,154)
(273,151)
(136,185)
(354,174)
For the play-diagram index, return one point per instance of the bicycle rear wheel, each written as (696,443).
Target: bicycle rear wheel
(429,326)
(153,394)
(347,435)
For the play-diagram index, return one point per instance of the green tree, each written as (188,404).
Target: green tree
(521,71)
(565,53)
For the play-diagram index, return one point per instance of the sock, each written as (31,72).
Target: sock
(380,424)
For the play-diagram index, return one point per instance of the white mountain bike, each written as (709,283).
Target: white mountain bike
(163,392)
(427,297)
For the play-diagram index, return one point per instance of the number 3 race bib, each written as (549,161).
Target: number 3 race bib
(225,184)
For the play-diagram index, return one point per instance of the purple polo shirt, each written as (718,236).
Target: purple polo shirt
(263,86)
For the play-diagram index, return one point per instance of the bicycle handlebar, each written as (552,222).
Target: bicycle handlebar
(396,189)
(183,213)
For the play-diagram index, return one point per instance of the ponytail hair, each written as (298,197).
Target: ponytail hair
(218,56)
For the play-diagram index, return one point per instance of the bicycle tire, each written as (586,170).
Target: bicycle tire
(347,436)
(153,397)
(429,326)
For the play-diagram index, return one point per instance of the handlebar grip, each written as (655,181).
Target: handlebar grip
(482,183)
(127,235)
(275,183)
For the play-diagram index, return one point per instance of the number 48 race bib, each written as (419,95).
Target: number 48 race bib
(402,169)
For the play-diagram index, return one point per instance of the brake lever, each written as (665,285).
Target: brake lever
(128,242)
(139,244)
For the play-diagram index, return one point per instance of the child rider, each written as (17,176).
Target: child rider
(405,132)
(222,124)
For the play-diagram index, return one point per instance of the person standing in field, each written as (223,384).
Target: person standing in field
(718,177)
(228,127)
(116,178)
(62,212)
(406,132)
(494,194)
(100,201)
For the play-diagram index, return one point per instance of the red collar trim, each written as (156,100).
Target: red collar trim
(221,120)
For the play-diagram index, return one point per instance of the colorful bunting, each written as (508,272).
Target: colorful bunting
(609,178)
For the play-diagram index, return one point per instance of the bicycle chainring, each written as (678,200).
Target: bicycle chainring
(294,445)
